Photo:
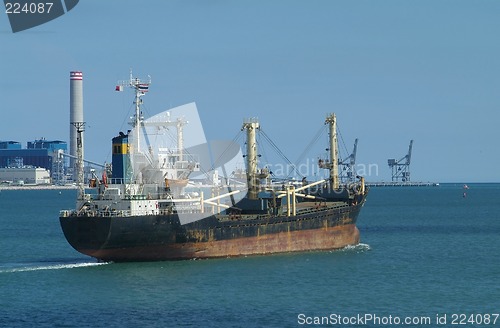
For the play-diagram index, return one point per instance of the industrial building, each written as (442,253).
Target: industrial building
(41,153)
(24,175)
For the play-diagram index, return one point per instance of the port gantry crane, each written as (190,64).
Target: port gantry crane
(401,169)
(348,166)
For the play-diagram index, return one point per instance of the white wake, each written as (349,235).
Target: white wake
(50,267)
(357,248)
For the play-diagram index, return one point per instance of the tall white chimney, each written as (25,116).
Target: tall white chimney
(75,114)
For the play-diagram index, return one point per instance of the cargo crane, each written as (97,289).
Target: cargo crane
(401,168)
(348,169)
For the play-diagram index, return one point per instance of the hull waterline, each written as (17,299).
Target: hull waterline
(157,238)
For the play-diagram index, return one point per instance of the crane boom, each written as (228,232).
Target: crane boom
(401,168)
(353,155)
(408,157)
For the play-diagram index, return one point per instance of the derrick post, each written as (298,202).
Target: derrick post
(251,126)
(334,153)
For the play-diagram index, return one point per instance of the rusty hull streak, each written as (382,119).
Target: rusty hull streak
(326,238)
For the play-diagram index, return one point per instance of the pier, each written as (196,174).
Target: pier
(402,184)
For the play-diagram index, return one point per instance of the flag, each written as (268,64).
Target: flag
(143,87)
(119,88)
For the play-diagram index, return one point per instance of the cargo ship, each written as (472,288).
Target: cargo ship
(141,210)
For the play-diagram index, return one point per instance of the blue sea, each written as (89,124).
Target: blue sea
(428,257)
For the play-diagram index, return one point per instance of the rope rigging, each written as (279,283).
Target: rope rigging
(279,152)
(343,144)
(216,163)
(313,141)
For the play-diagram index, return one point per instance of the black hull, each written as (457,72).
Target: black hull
(162,237)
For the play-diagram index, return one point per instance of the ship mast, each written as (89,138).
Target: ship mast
(140,88)
(180,138)
(331,120)
(251,125)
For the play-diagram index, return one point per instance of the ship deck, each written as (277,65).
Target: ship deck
(301,208)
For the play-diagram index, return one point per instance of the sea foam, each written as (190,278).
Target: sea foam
(356,248)
(50,267)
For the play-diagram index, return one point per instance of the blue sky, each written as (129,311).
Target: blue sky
(391,70)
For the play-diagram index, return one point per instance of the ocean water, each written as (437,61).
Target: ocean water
(427,255)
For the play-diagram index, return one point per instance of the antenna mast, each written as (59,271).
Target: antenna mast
(140,88)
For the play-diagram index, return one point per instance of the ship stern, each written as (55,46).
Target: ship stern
(85,234)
